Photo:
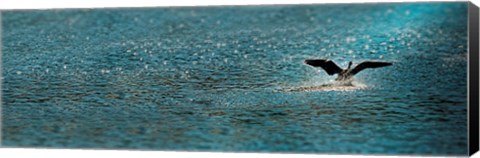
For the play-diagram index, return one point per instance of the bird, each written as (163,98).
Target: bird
(344,74)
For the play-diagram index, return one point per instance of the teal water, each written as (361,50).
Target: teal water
(214,79)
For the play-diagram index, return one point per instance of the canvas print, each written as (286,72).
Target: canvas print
(373,78)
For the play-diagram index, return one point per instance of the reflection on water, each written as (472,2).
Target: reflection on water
(213,79)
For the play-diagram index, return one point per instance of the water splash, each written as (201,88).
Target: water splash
(350,85)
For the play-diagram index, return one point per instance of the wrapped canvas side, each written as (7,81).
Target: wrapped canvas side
(473,87)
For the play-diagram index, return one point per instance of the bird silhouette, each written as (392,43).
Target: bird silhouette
(344,74)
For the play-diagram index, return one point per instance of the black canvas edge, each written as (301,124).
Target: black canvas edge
(473,87)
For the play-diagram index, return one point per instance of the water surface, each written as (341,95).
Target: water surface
(214,78)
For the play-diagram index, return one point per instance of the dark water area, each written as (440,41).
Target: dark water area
(214,78)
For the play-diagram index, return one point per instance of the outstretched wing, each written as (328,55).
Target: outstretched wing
(329,66)
(369,64)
